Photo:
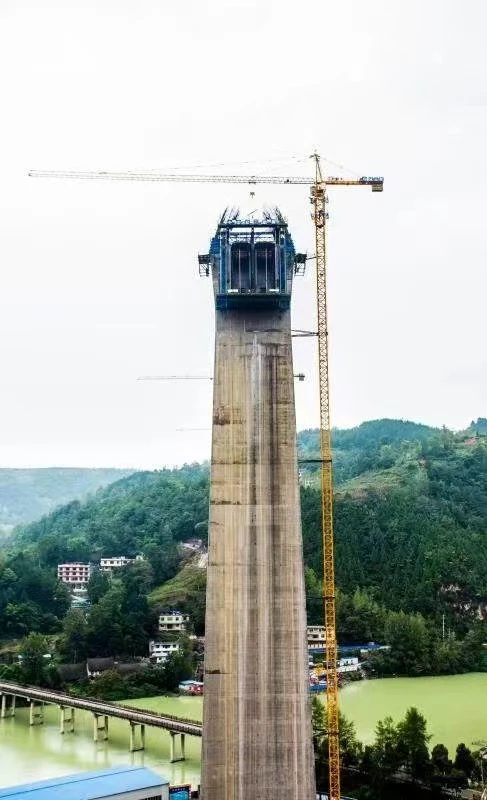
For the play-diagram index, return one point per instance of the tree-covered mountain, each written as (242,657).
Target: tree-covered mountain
(374,445)
(147,512)
(31,494)
(410,517)
(27,494)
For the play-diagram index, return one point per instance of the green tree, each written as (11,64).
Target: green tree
(387,755)
(381,759)
(73,640)
(104,634)
(359,618)
(108,686)
(446,656)
(350,747)
(136,580)
(31,597)
(20,618)
(98,585)
(314,597)
(33,650)
(51,550)
(473,650)
(440,759)
(464,760)
(163,555)
(178,667)
(11,672)
(409,641)
(413,744)
(320,742)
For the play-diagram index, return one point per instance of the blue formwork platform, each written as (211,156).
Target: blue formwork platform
(101,784)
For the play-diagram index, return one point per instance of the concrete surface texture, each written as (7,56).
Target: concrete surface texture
(256,721)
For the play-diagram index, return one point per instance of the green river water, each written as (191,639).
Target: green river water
(455,707)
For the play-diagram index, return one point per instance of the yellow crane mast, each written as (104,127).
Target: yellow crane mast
(319,200)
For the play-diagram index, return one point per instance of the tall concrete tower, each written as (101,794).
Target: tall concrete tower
(257,740)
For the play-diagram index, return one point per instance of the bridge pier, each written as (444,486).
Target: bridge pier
(36,713)
(133,727)
(66,720)
(36,698)
(97,728)
(6,711)
(181,756)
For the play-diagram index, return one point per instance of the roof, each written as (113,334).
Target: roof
(130,668)
(87,785)
(72,672)
(100,664)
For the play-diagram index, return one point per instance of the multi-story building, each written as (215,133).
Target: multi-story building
(116,562)
(173,621)
(316,637)
(159,651)
(75,575)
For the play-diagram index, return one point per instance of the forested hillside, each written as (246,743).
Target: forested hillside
(27,494)
(375,445)
(148,512)
(410,517)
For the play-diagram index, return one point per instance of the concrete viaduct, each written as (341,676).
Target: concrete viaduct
(137,718)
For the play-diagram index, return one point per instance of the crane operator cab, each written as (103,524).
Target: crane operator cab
(252,261)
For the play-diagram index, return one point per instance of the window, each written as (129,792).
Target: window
(265,272)
(240,277)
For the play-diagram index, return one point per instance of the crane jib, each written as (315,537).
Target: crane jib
(375,183)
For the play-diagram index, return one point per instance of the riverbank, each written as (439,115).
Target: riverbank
(454,706)
(34,753)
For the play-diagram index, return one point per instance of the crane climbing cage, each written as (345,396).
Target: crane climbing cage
(252,261)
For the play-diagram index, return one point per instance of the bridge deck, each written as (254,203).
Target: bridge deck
(138,716)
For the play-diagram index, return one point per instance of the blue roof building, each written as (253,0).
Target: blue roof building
(122,783)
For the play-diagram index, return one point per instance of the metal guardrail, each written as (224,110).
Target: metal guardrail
(139,716)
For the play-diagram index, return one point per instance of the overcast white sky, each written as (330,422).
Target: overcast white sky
(99,281)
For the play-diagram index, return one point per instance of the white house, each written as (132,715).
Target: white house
(173,621)
(159,651)
(348,665)
(116,562)
(316,637)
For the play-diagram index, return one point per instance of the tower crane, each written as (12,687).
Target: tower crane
(319,200)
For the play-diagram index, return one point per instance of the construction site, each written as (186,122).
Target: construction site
(257,739)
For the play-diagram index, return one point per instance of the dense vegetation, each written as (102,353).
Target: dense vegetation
(410,528)
(398,764)
(374,445)
(418,645)
(27,494)
(410,517)
(112,684)
(149,512)
(31,598)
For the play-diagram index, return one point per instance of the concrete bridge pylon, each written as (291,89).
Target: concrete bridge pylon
(257,739)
